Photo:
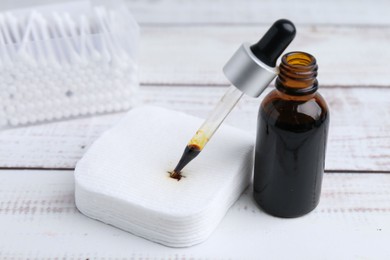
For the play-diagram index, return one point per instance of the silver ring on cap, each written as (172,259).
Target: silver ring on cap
(247,73)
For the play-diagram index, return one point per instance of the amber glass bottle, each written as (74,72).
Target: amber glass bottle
(291,140)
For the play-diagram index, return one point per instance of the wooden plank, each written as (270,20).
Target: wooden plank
(196,55)
(230,12)
(359,137)
(39,220)
(259,12)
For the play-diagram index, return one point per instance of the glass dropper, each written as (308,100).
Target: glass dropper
(208,128)
(250,70)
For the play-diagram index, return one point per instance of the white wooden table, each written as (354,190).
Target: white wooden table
(184,45)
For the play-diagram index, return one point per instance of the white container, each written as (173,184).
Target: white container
(67,60)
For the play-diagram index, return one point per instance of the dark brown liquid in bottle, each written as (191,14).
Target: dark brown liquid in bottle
(291,141)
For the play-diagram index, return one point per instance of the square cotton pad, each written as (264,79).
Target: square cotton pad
(123,178)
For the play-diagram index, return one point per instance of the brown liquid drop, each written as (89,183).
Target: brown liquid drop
(175,175)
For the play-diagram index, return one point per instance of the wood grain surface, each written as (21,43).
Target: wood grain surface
(38,207)
(358,139)
(232,12)
(347,56)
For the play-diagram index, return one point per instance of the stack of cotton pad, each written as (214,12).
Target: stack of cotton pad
(123,178)
(66,60)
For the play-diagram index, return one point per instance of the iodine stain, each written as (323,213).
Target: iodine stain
(175,175)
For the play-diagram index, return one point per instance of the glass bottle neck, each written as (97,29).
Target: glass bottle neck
(297,74)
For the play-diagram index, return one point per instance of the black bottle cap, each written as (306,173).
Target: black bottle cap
(274,42)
